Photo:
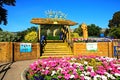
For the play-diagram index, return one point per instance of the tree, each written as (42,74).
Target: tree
(78,30)
(3,11)
(94,30)
(1,29)
(107,32)
(114,32)
(115,21)
(25,32)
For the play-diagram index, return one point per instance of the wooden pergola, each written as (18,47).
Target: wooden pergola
(52,21)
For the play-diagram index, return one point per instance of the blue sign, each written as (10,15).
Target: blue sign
(102,35)
(25,47)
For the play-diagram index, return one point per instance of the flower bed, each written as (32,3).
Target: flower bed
(75,68)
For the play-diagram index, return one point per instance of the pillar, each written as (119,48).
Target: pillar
(39,30)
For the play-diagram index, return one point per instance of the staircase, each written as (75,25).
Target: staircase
(57,50)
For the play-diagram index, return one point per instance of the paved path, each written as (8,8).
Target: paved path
(12,71)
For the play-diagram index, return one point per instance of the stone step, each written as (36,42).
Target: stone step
(57,51)
(58,56)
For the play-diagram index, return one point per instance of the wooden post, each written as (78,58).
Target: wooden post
(39,30)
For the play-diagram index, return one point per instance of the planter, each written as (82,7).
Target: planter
(23,74)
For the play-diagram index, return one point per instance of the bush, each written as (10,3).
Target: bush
(31,37)
(8,37)
(53,37)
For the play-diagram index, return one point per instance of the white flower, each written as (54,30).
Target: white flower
(117,74)
(104,77)
(73,59)
(72,76)
(112,77)
(53,72)
(97,76)
(118,68)
(79,64)
(87,78)
(82,75)
(85,62)
(47,67)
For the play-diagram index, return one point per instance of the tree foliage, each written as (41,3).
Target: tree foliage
(8,36)
(114,32)
(114,26)
(78,30)
(1,29)
(25,32)
(115,21)
(3,11)
(93,30)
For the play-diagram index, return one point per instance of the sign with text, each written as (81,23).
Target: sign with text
(25,47)
(91,46)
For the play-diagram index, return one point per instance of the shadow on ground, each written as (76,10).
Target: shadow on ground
(4,68)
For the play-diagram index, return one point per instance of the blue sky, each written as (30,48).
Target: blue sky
(97,12)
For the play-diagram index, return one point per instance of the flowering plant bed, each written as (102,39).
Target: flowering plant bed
(75,68)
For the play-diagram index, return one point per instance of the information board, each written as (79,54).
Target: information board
(91,46)
(25,47)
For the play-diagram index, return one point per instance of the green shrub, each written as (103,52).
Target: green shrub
(53,37)
(8,37)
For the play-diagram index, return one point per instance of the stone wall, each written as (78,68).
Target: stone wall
(103,49)
(6,52)
(26,55)
(10,51)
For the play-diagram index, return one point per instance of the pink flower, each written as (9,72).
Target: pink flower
(89,69)
(33,66)
(81,68)
(46,72)
(92,74)
(67,76)
(82,78)
(59,76)
(76,76)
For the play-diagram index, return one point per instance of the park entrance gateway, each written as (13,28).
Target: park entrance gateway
(49,26)
(52,28)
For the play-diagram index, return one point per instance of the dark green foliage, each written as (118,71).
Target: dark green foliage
(3,12)
(93,30)
(114,32)
(53,37)
(1,29)
(23,33)
(106,32)
(115,21)
(114,26)
(78,30)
